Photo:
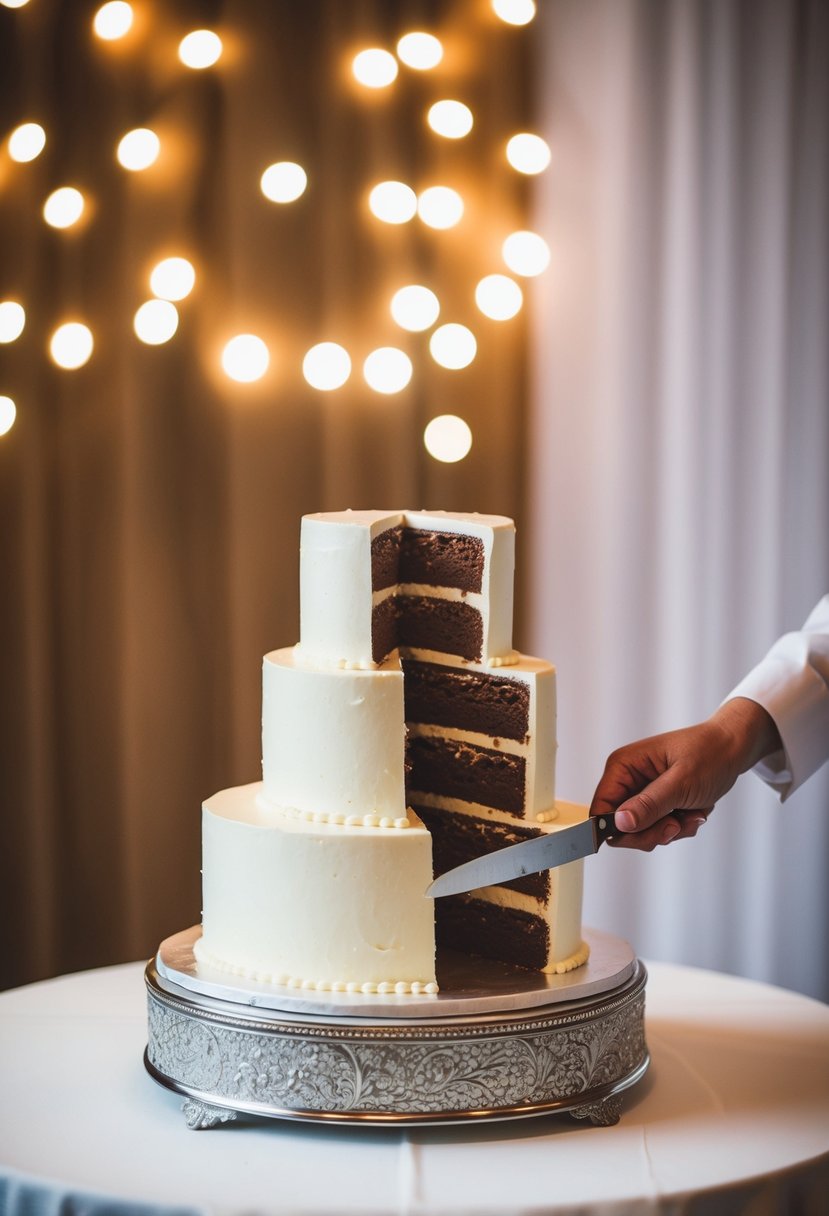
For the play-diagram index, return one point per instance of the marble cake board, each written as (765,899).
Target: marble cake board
(496,1043)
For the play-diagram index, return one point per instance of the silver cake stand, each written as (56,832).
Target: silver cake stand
(497,1042)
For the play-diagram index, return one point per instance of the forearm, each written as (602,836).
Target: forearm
(751,729)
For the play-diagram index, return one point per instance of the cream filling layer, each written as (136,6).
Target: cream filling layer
(454,734)
(460,807)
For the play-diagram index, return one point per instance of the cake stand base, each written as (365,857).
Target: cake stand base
(229,1057)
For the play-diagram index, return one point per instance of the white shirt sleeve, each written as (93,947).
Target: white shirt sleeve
(792,685)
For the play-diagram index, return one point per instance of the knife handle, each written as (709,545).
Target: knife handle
(605,828)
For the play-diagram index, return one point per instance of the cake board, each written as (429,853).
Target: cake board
(496,1042)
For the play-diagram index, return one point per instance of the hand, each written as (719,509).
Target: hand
(664,788)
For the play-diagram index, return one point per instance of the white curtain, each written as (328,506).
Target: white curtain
(679,445)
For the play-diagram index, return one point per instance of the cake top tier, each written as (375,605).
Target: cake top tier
(375,581)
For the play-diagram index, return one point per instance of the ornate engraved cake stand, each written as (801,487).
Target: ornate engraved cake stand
(496,1043)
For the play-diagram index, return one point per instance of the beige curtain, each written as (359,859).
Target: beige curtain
(149,510)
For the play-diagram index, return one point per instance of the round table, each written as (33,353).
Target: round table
(732,1116)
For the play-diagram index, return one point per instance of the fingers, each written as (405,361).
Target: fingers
(679,825)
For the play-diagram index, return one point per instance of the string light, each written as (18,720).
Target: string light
(393,202)
(138,149)
(155,322)
(453,346)
(415,308)
(71,345)
(387,370)
(64,207)
(451,119)
(374,68)
(172,279)
(12,320)
(514,12)
(245,358)
(440,207)
(326,366)
(498,297)
(113,20)
(283,182)
(526,253)
(26,142)
(448,438)
(528,153)
(200,49)
(420,51)
(8,413)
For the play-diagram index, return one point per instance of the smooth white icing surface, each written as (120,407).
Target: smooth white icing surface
(316,905)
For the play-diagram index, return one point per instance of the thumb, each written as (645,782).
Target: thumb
(663,795)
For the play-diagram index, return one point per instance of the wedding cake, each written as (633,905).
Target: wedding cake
(402,736)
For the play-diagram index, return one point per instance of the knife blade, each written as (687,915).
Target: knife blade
(529,857)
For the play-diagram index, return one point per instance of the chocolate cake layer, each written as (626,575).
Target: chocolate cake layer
(466,700)
(448,626)
(442,559)
(385,559)
(384,629)
(506,934)
(462,770)
(460,838)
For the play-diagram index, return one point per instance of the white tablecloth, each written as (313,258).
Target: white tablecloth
(733,1117)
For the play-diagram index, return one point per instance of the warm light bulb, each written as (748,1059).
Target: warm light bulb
(283,182)
(374,68)
(12,320)
(113,20)
(245,358)
(71,345)
(387,370)
(526,253)
(420,51)
(8,413)
(447,438)
(499,297)
(514,12)
(138,149)
(155,322)
(440,207)
(172,279)
(451,119)
(528,153)
(415,308)
(453,346)
(26,142)
(200,49)
(64,207)
(326,366)
(13,3)
(393,202)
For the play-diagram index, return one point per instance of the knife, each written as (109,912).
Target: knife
(528,857)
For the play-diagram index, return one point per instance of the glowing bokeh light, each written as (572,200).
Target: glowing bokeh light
(138,149)
(528,153)
(12,320)
(26,142)
(326,366)
(514,12)
(113,20)
(71,345)
(8,413)
(64,207)
(526,253)
(374,68)
(200,49)
(13,3)
(172,279)
(387,370)
(393,202)
(283,182)
(499,297)
(453,346)
(415,308)
(420,51)
(447,438)
(451,119)
(245,358)
(155,322)
(440,207)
